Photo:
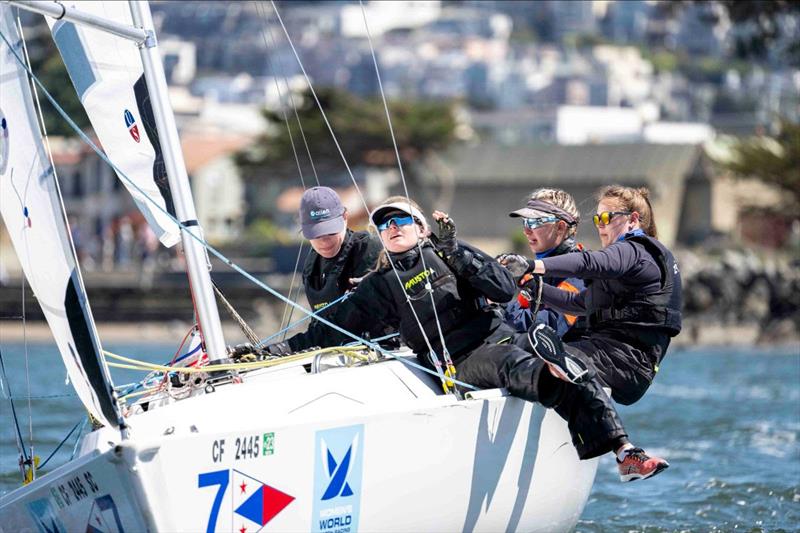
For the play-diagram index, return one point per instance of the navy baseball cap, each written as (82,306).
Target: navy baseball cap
(321,212)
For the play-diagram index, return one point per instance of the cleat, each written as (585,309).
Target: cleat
(546,344)
(639,465)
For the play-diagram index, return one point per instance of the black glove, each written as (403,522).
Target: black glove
(529,292)
(517,264)
(239,350)
(447,236)
(278,349)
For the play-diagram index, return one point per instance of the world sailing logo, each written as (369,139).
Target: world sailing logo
(130,123)
(337,479)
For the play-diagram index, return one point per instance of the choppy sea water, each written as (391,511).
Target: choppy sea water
(727,419)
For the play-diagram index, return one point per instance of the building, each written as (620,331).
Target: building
(480,184)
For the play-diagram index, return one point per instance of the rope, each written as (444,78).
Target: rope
(263,13)
(300,321)
(445,352)
(20,442)
(246,329)
(60,444)
(437,363)
(204,243)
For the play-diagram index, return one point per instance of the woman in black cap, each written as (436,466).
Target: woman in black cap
(435,292)
(549,221)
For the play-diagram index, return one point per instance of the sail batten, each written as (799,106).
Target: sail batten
(31,208)
(108,75)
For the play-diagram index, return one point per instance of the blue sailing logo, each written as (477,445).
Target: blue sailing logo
(337,484)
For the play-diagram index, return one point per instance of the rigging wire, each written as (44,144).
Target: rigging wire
(445,352)
(20,442)
(286,309)
(263,12)
(437,364)
(211,249)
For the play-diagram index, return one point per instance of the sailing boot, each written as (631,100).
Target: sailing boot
(548,346)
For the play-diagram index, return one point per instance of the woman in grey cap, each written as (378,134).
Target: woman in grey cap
(339,255)
(435,292)
(549,221)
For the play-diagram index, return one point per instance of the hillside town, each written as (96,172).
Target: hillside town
(569,94)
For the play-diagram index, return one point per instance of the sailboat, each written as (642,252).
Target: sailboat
(358,443)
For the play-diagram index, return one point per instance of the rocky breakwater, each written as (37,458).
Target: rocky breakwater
(738,297)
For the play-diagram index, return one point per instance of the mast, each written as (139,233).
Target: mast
(197,262)
(143,34)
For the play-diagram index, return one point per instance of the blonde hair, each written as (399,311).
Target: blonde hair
(561,199)
(383,259)
(632,199)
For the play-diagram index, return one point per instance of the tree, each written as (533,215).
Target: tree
(773,160)
(47,65)
(763,25)
(361,129)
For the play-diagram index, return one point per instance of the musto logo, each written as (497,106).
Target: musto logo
(337,480)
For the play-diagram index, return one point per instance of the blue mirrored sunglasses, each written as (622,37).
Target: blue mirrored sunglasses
(533,223)
(398,221)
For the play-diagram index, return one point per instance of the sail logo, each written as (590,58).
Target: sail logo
(130,123)
(337,479)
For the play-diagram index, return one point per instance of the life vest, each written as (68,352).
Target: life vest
(456,305)
(660,309)
(324,287)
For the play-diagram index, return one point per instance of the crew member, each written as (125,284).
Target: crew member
(549,221)
(421,273)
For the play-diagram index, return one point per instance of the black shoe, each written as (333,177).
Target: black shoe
(546,344)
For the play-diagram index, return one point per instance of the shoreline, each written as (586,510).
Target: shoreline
(696,333)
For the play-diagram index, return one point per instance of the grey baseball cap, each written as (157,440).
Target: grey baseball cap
(321,212)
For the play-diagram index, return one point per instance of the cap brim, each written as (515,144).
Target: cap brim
(527,212)
(325,227)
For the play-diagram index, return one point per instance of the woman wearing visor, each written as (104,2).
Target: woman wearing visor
(435,292)
(549,221)
(632,299)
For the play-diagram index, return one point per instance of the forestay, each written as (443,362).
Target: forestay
(108,76)
(33,214)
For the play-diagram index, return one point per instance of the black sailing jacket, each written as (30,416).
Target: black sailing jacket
(460,300)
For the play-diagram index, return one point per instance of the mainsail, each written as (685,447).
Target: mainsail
(108,76)
(33,214)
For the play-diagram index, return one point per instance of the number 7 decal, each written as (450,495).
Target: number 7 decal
(208,479)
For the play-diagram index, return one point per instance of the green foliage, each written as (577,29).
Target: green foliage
(773,160)
(47,65)
(361,128)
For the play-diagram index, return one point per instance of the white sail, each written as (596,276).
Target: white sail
(32,211)
(108,76)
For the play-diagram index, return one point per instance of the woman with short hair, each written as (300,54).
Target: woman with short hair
(550,221)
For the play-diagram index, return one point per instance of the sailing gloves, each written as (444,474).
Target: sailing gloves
(277,349)
(528,282)
(517,264)
(530,289)
(461,260)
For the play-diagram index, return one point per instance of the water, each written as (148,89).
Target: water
(728,420)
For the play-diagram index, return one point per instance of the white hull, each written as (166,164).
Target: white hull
(418,461)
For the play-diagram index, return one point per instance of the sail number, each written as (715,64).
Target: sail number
(74,489)
(247,447)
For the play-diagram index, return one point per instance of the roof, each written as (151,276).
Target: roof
(202,149)
(491,163)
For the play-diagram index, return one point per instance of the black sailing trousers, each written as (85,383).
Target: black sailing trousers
(592,419)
